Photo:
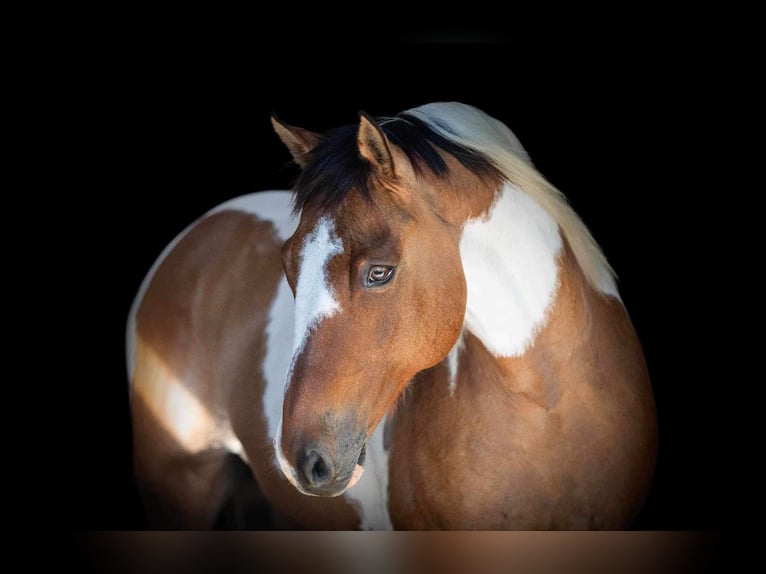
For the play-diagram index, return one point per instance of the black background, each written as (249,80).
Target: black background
(173,133)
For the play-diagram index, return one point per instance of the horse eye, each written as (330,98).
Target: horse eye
(379,275)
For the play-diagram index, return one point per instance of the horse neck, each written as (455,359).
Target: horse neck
(510,265)
(527,299)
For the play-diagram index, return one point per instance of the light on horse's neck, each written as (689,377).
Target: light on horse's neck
(510,264)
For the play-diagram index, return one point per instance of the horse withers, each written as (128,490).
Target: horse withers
(422,335)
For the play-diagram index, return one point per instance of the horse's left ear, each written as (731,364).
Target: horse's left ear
(374,146)
(300,142)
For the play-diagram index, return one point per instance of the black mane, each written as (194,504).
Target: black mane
(335,167)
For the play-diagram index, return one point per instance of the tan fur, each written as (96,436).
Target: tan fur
(361,382)
(562,437)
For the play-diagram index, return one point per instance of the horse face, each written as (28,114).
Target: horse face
(379,296)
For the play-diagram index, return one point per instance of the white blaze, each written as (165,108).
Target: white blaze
(314,301)
(314,296)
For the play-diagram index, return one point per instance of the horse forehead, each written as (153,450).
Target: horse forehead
(320,241)
(357,224)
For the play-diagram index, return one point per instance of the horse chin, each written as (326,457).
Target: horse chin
(358,470)
(357,474)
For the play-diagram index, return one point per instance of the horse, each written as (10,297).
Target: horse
(422,334)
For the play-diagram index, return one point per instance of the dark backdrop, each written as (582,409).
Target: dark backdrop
(174,136)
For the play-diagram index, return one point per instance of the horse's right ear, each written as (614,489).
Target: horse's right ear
(300,142)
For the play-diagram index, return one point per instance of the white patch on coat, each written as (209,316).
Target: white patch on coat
(453,362)
(509,260)
(279,337)
(470,127)
(272,206)
(275,207)
(370,495)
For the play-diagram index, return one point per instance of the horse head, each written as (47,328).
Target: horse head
(379,290)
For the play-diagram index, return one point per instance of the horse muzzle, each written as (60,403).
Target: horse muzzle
(326,470)
(320,472)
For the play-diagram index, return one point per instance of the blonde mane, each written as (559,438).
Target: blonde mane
(471,128)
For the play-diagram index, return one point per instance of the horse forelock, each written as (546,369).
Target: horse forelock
(336,169)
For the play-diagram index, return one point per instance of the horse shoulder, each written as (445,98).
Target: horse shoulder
(197,330)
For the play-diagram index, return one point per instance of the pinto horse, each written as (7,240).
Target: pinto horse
(422,335)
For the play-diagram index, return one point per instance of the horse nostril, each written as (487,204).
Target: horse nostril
(317,471)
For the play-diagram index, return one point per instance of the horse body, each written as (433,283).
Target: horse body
(456,357)
(563,456)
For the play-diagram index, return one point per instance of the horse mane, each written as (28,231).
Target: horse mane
(481,143)
(470,128)
(335,167)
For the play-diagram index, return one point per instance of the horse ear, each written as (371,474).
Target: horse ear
(373,145)
(300,142)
